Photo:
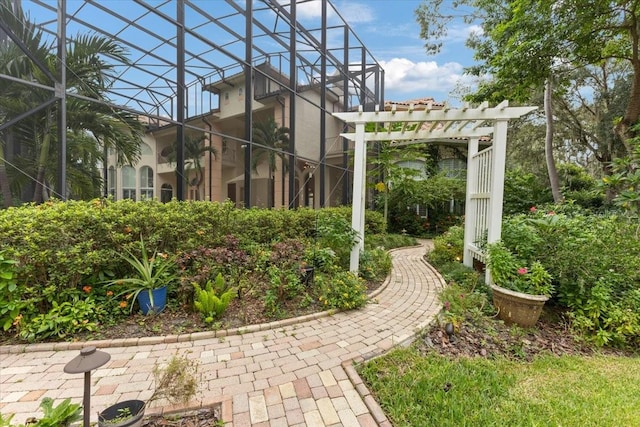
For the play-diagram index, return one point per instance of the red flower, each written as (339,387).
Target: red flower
(522,270)
(86,289)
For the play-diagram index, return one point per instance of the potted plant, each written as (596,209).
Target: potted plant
(177,382)
(519,290)
(123,414)
(149,286)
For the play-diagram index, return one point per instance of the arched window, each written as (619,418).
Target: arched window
(166,193)
(111,181)
(128,183)
(145,150)
(146,182)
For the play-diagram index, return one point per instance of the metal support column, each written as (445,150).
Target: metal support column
(180,88)
(293,76)
(248,105)
(323,104)
(61,94)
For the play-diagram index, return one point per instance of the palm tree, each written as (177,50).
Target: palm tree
(272,142)
(194,149)
(89,75)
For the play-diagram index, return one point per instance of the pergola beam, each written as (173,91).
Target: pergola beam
(466,124)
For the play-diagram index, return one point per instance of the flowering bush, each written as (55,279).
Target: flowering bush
(509,272)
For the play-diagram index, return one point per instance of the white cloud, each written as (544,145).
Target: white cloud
(403,76)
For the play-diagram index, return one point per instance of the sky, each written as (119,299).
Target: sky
(390,31)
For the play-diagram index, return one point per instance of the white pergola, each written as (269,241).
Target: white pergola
(485,169)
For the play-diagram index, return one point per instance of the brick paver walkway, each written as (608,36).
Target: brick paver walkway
(290,373)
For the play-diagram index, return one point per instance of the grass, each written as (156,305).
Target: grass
(433,390)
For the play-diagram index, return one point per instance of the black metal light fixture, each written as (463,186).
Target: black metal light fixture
(449,330)
(89,359)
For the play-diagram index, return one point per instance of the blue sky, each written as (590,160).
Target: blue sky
(386,27)
(389,30)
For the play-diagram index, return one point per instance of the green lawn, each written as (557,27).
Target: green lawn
(432,390)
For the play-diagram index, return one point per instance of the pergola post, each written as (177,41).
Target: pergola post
(499,157)
(357,208)
(470,214)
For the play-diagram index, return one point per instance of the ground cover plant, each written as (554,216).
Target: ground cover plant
(61,277)
(487,373)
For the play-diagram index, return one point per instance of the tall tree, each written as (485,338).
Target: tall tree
(271,141)
(523,42)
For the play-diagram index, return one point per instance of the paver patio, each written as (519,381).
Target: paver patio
(297,372)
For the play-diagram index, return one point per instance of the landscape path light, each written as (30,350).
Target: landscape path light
(89,359)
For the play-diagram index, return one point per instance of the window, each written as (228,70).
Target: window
(111,181)
(455,168)
(240,92)
(146,182)
(417,165)
(145,150)
(166,193)
(128,183)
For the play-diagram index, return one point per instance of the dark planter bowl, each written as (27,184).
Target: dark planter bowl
(108,417)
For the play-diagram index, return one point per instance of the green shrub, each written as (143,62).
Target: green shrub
(341,290)
(63,320)
(447,247)
(464,294)
(594,264)
(214,299)
(375,264)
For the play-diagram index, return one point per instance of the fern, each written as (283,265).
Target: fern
(207,301)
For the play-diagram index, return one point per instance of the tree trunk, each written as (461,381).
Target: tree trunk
(548,143)
(38,193)
(5,189)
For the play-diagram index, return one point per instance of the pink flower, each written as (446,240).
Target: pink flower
(533,209)
(551,213)
(447,305)
(522,270)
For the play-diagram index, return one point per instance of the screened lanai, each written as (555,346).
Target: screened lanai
(485,167)
(185,69)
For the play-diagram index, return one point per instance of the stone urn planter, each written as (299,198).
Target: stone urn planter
(517,307)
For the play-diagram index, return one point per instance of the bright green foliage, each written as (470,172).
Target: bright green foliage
(511,272)
(10,303)
(375,264)
(64,319)
(625,179)
(62,415)
(214,299)
(341,290)
(151,272)
(65,253)
(464,296)
(447,247)
(594,264)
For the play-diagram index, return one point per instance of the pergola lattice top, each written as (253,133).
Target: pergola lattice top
(485,170)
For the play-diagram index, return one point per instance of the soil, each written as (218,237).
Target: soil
(206,417)
(177,320)
(490,338)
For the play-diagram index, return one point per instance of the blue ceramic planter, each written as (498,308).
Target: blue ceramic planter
(147,305)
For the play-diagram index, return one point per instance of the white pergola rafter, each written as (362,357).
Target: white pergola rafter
(485,170)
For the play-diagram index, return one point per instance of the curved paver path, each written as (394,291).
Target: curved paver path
(292,374)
